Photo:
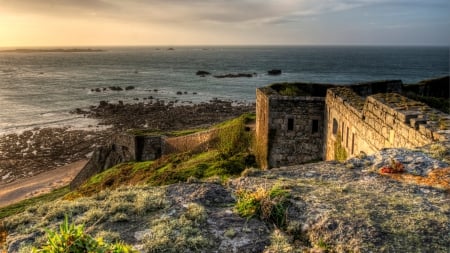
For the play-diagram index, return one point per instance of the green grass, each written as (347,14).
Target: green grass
(25,204)
(269,205)
(228,158)
(176,133)
(72,238)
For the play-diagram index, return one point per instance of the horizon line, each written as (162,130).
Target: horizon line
(222,45)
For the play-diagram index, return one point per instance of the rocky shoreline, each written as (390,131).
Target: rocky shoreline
(39,150)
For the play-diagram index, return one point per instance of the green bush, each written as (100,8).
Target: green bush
(268,205)
(73,239)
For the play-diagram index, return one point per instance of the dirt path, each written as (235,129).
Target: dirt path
(42,183)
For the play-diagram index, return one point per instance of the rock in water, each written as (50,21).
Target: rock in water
(274,72)
(202,73)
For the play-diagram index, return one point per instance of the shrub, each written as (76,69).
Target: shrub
(72,238)
(268,205)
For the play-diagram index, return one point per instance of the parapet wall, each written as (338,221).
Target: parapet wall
(380,121)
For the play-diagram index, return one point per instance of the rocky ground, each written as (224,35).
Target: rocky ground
(332,207)
(165,116)
(43,149)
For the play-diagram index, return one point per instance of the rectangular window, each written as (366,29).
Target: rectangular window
(315,126)
(353,143)
(290,125)
(346,139)
(335,126)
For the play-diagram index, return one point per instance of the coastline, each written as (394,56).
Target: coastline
(59,152)
(43,183)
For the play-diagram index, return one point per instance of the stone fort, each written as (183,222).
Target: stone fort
(303,122)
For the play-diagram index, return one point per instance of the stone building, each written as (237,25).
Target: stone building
(298,123)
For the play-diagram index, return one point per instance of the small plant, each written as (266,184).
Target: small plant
(230,233)
(438,151)
(433,116)
(72,238)
(393,167)
(443,124)
(268,205)
(340,154)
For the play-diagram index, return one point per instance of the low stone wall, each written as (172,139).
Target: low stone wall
(128,147)
(197,142)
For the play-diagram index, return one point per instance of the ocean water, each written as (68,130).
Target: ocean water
(40,89)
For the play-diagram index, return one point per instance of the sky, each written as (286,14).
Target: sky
(47,23)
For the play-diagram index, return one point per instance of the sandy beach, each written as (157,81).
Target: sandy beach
(40,184)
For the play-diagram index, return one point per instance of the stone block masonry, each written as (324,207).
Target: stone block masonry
(386,120)
(289,129)
(340,121)
(130,147)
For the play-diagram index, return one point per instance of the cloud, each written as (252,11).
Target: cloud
(197,11)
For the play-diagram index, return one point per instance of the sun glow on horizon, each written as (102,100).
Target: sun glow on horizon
(29,23)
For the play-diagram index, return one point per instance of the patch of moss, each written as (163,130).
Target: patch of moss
(340,154)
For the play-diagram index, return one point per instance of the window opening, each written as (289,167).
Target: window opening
(346,138)
(353,143)
(335,126)
(290,124)
(315,126)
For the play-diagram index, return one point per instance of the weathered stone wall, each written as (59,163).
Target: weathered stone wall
(126,142)
(128,147)
(380,121)
(262,128)
(148,147)
(103,158)
(197,142)
(290,127)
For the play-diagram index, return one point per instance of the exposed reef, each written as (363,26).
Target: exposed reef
(58,50)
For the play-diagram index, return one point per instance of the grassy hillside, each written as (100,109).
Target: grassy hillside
(216,202)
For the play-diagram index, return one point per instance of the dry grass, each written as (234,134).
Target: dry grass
(179,234)
(98,212)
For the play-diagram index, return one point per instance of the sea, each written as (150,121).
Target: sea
(40,89)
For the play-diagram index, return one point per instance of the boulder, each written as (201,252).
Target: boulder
(274,72)
(202,73)
(236,75)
